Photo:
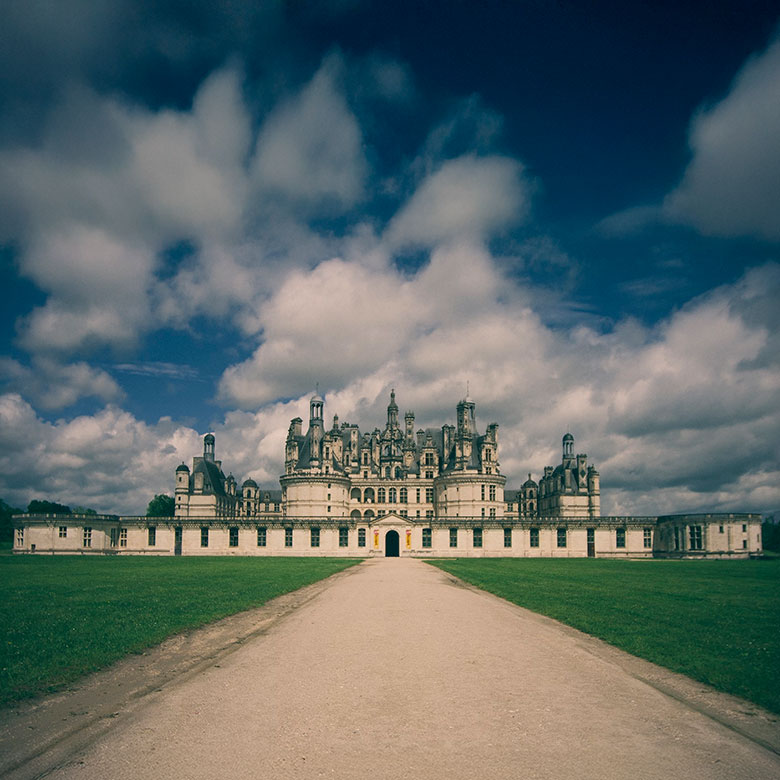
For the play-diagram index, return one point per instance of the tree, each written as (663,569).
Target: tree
(160,506)
(40,507)
(6,526)
(770,533)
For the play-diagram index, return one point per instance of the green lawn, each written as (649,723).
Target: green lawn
(715,621)
(64,616)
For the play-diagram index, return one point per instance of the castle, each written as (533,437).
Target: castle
(396,491)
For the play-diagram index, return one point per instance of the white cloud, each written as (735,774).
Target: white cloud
(52,385)
(110,186)
(309,150)
(109,461)
(732,185)
(467,198)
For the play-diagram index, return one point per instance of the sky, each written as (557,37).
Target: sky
(210,209)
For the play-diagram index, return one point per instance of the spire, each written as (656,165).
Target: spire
(392,411)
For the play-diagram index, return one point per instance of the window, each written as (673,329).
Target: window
(288,537)
(428,495)
(453,537)
(561,537)
(648,538)
(403,495)
(114,537)
(483,512)
(676,538)
(233,540)
(720,529)
(695,537)
(482,492)
(744,544)
(429,459)
(343,537)
(429,474)
(391,496)
(744,528)
(493,513)
(492,492)
(151,536)
(534,537)
(19,537)
(123,537)
(418,495)
(204,536)
(380,495)
(620,537)
(63,531)
(477,537)
(427,537)
(429,513)
(361,537)
(507,537)
(86,540)
(262,537)
(315,537)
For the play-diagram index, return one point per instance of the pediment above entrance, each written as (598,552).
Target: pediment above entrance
(392,520)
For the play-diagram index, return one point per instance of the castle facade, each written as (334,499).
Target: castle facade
(395,491)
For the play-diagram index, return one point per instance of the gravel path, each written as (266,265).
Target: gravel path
(394,670)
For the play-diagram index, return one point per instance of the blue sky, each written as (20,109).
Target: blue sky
(206,209)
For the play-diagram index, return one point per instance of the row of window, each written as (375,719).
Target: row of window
(391,495)
(118,537)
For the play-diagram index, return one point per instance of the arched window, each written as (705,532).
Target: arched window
(391,496)
(388,472)
(398,472)
(355,515)
(368,495)
(380,495)
(355,494)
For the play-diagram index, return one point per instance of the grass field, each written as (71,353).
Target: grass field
(715,621)
(64,616)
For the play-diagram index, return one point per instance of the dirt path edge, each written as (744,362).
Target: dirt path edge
(739,715)
(38,735)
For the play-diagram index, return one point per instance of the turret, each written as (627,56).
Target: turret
(208,447)
(392,412)
(316,405)
(568,447)
(466,418)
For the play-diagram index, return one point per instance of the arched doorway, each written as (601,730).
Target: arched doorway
(392,544)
